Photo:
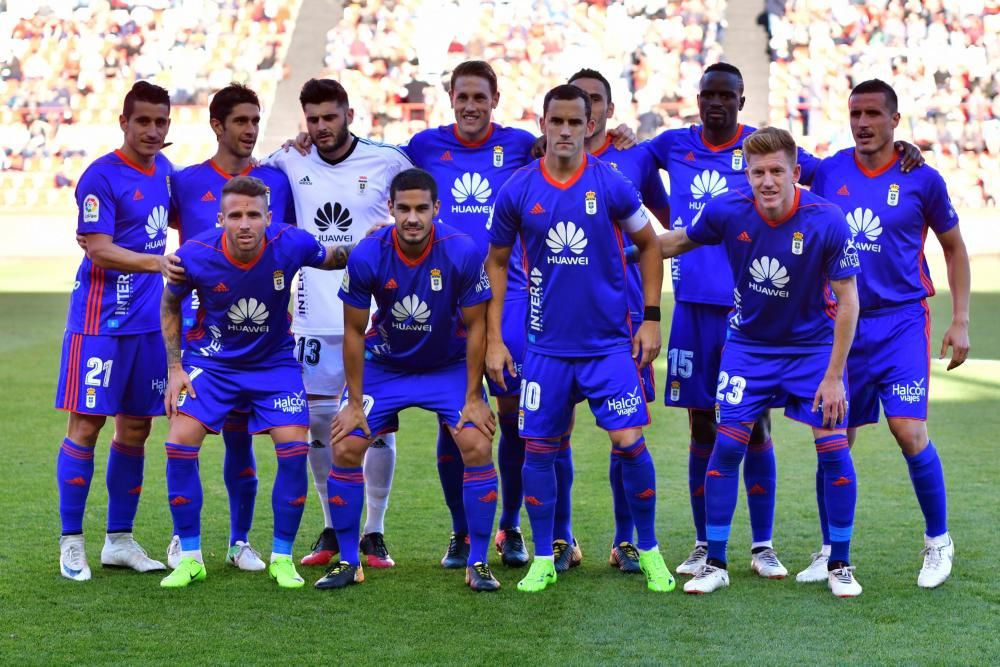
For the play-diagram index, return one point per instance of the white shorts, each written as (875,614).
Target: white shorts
(322,359)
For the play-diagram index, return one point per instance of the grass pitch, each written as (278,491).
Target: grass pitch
(419,613)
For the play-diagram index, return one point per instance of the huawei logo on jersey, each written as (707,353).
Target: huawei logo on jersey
(471,185)
(156,228)
(769,277)
(865,224)
(248,316)
(411,314)
(708,182)
(333,214)
(566,236)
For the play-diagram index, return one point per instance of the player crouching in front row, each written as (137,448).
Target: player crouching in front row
(238,355)
(426,349)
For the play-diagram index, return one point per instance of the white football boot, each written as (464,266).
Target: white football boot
(939,552)
(73,558)
(708,579)
(121,550)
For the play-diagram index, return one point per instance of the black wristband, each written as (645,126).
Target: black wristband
(651,314)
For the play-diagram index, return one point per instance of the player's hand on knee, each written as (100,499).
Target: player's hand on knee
(178,384)
(479,414)
(623,137)
(302,143)
(957,338)
(497,359)
(832,398)
(646,343)
(171,269)
(350,418)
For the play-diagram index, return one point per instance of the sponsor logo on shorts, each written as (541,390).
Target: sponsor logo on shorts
(566,241)
(159,385)
(913,392)
(291,404)
(769,277)
(626,405)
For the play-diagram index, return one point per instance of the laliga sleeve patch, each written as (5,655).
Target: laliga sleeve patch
(91,208)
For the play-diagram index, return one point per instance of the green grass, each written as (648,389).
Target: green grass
(421,614)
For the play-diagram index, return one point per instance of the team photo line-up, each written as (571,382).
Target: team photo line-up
(477,250)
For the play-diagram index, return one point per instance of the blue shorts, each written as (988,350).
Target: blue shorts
(890,362)
(388,391)
(553,385)
(750,382)
(697,336)
(515,337)
(274,396)
(112,375)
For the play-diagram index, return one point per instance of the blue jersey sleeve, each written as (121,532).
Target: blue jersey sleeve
(96,204)
(505,218)
(818,184)
(809,163)
(306,249)
(654,195)
(939,214)
(359,278)
(623,197)
(840,255)
(659,148)
(475,284)
(709,230)
(283,194)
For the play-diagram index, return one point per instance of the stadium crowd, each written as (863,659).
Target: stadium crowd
(941,56)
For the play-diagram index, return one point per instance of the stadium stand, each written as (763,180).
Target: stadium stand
(67,65)
(395,57)
(939,55)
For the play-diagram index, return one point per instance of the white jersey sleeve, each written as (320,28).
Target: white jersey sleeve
(338,203)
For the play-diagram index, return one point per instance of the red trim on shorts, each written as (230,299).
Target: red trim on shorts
(203,424)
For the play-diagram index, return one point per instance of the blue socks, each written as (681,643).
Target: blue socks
(624,526)
(840,491)
(184,494)
(510,458)
(74,471)
(639,482)
(698,456)
(928,483)
(722,485)
(562,519)
(760,476)
(479,492)
(824,525)
(345,488)
(239,471)
(124,480)
(450,470)
(539,477)
(288,499)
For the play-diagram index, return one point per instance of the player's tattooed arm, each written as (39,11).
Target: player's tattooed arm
(178,381)
(831,393)
(497,355)
(336,256)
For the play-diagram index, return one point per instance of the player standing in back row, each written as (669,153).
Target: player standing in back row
(340,189)
(234,114)
(112,357)
(889,213)
(570,212)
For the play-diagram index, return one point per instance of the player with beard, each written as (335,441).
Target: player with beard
(234,115)
(340,189)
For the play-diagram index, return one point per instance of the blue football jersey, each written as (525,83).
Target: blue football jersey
(700,171)
(469,176)
(195,192)
(418,322)
(243,317)
(573,245)
(782,270)
(889,213)
(638,166)
(119,198)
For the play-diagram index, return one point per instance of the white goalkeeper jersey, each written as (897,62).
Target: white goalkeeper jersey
(338,203)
